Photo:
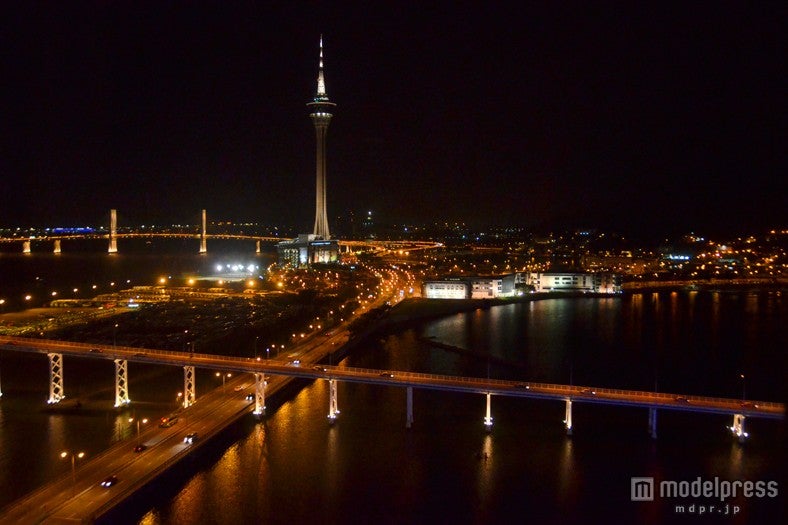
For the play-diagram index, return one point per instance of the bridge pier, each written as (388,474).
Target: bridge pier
(259,394)
(257,247)
(568,417)
(488,420)
(738,428)
(409,413)
(203,242)
(113,231)
(56,248)
(188,386)
(121,383)
(652,423)
(333,411)
(26,247)
(56,391)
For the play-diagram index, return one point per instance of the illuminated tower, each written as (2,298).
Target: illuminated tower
(321,117)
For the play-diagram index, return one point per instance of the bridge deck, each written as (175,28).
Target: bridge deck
(576,393)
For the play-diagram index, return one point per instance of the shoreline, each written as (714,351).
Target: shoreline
(419,309)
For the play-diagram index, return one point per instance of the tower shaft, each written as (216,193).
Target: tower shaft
(321,212)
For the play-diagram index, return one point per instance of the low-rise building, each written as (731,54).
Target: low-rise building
(490,287)
(446,289)
(470,287)
(573,282)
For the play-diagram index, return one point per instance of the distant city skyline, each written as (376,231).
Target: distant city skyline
(642,119)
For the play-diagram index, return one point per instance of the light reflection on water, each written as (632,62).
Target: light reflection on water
(447,469)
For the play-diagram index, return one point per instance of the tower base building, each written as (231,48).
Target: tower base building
(307,249)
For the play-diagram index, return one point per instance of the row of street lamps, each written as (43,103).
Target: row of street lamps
(74,456)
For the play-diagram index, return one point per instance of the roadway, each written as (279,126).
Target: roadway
(65,501)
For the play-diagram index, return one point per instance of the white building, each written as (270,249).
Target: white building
(485,288)
(573,282)
(446,289)
(470,287)
(490,287)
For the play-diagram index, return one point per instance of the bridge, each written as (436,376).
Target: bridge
(85,500)
(113,236)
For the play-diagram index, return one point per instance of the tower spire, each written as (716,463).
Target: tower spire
(321,82)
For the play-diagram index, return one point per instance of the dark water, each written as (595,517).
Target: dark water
(86,267)
(367,468)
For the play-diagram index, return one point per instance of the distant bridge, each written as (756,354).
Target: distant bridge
(112,237)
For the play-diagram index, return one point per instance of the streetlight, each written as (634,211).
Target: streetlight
(178,398)
(143,421)
(223,376)
(74,458)
(115,335)
(255,345)
(743,387)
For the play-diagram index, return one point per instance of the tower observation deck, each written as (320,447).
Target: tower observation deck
(321,109)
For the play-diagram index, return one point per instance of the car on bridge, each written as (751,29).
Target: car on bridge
(140,448)
(190,438)
(109,481)
(386,374)
(168,421)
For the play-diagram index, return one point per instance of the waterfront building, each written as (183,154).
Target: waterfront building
(470,287)
(602,282)
(446,289)
(490,287)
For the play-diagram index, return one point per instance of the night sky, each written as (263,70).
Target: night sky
(626,116)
